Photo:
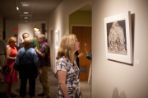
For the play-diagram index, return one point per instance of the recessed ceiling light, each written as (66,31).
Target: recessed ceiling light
(26,12)
(17,8)
(25,17)
(24,4)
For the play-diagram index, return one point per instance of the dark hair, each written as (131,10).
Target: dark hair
(23,35)
(27,42)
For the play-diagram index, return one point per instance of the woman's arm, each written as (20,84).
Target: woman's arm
(62,82)
(39,52)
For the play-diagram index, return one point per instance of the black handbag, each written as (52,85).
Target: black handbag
(5,69)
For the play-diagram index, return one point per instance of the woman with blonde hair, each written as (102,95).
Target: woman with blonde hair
(67,70)
(11,76)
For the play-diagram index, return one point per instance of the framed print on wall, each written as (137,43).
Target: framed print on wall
(118,39)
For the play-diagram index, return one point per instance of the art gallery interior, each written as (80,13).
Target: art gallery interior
(108,78)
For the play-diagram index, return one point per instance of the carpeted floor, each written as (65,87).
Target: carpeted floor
(85,88)
(53,87)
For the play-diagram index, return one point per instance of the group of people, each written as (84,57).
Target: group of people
(31,60)
(26,63)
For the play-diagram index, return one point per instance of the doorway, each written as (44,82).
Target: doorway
(83,34)
(80,25)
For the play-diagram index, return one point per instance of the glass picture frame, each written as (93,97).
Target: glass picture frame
(118,38)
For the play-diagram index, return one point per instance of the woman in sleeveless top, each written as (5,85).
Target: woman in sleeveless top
(11,76)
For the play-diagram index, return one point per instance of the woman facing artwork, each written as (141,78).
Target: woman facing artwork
(116,37)
(67,71)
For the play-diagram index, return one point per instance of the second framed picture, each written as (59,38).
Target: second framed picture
(118,38)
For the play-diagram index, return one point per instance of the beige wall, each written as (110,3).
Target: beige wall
(112,79)
(24,28)
(79,18)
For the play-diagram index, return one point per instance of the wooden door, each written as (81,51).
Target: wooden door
(83,34)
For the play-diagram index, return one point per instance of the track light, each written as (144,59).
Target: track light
(17,8)
(26,12)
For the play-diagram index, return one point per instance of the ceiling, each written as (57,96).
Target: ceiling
(29,10)
(86,8)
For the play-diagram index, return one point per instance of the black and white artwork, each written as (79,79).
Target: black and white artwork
(118,38)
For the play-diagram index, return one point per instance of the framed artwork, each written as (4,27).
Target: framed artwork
(57,38)
(118,39)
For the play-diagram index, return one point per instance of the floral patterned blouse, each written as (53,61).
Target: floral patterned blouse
(72,77)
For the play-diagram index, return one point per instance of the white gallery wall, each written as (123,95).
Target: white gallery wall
(28,27)
(24,28)
(112,79)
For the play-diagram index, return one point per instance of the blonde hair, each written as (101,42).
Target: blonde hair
(11,40)
(67,47)
(42,36)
